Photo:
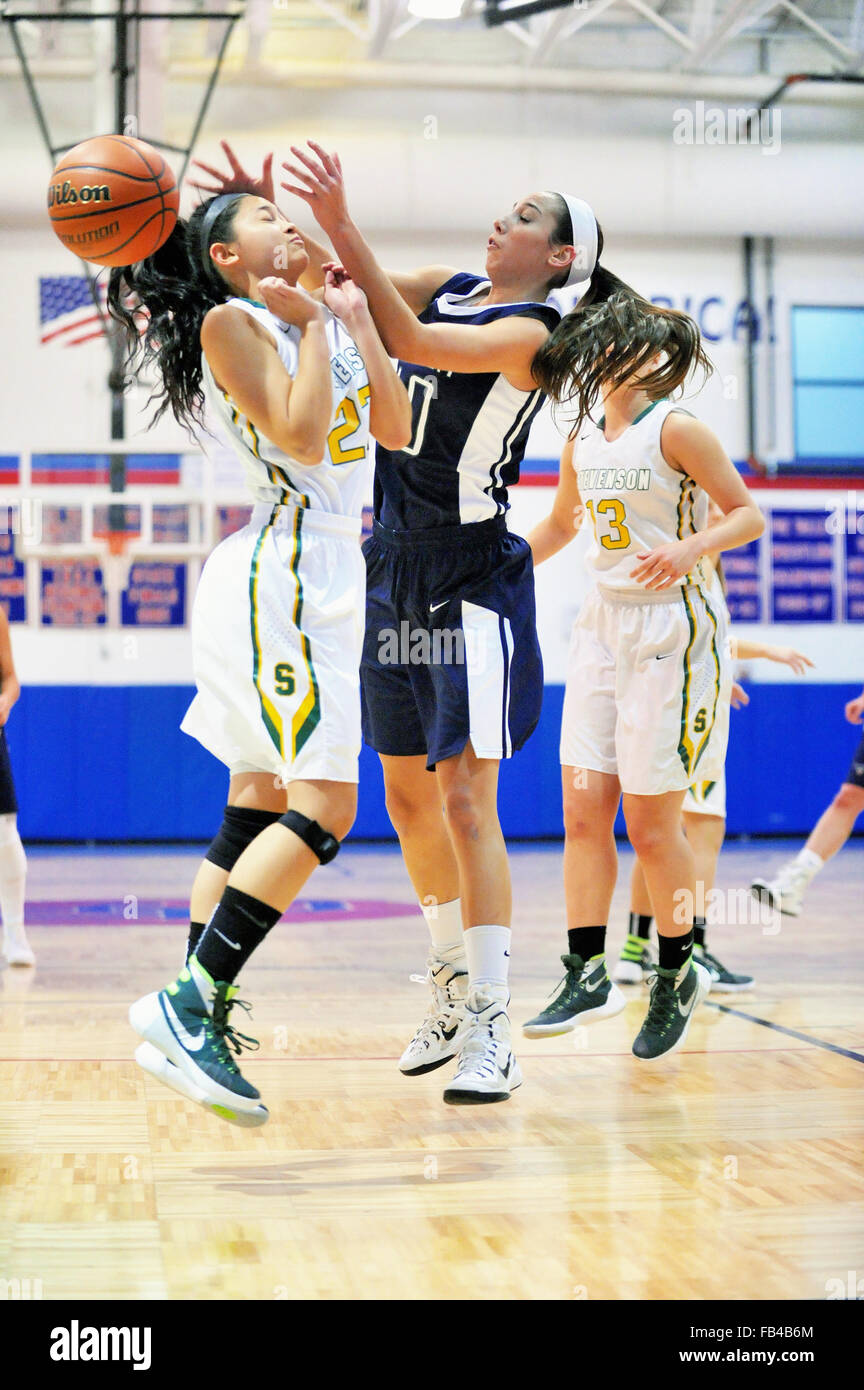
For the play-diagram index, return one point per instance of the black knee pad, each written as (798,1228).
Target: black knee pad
(239,828)
(321,842)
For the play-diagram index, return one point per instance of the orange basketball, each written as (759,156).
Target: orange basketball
(113,200)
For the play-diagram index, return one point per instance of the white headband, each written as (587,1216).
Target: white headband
(584,225)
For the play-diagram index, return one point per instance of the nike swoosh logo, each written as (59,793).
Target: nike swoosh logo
(256,921)
(193,1044)
(689,1009)
(591,989)
(447,1034)
(664,657)
(433,607)
(234,944)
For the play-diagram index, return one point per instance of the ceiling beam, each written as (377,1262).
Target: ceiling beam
(851,54)
(737,17)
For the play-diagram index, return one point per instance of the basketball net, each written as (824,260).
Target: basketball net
(116,574)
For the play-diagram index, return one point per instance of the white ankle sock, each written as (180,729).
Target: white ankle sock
(444,921)
(809,862)
(488,952)
(13,871)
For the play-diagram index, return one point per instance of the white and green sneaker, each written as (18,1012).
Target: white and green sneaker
(723,981)
(675,997)
(188,1043)
(585,995)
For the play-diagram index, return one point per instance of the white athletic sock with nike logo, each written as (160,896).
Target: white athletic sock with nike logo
(488,952)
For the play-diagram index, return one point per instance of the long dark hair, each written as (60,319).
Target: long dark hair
(611,333)
(175,287)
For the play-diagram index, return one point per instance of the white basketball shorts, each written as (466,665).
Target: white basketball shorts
(647,679)
(277,633)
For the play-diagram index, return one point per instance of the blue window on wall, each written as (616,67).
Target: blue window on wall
(828,386)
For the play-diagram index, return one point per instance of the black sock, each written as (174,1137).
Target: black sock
(196,931)
(238,926)
(699,931)
(675,951)
(586,942)
(640,926)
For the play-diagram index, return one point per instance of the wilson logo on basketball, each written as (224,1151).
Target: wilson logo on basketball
(58,193)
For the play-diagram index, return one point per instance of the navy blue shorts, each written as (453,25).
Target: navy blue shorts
(856,769)
(8,801)
(450,653)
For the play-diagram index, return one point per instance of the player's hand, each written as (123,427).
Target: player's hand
(667,565)
(289,303)
(322,188)
(238,181)
(788,656)
(341,295)
(855,710)
(6,703)
(740,698)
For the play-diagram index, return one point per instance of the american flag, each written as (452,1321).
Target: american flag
(67,314)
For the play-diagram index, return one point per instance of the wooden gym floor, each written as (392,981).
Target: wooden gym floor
(733,1171)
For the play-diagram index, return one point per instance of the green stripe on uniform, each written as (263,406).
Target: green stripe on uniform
(715,653)
(308,716)
(269,714)
(685,748)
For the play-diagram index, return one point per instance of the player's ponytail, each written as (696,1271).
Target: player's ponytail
(612,334)
(160,304)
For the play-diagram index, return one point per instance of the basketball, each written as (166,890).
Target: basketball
(113,200)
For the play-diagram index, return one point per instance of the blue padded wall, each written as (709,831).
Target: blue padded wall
(110,763)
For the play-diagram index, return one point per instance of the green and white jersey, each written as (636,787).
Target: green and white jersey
(339,483)
(634,499)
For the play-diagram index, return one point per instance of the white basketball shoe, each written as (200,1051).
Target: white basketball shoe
(488,1070)
(440,1035)
(785,892)
(16,947)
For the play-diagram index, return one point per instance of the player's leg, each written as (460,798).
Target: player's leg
(636,962)
(487,1070)
(13,873)
(586,994)
(591,792)
(392,725)
(415,807)
(705,834)
(189,1022)
(255,800)
(13,868)
(830,833)
(656,834)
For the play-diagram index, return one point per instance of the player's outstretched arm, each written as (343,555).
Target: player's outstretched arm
(694,449)
(558,528)
(742,650)
(389,406)
(507,346)
(294,413)
(9,686)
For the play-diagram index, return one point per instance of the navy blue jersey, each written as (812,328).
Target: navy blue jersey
(469,428)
